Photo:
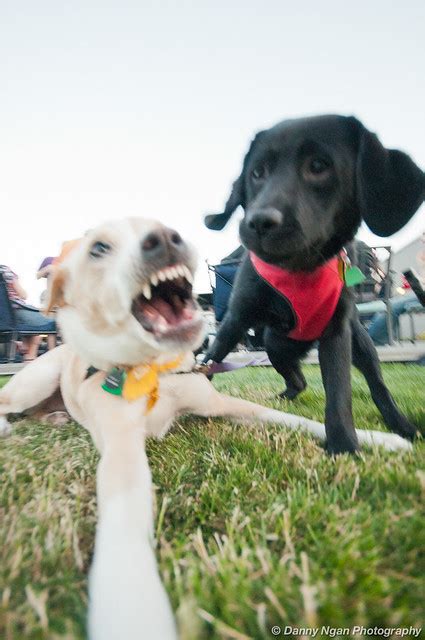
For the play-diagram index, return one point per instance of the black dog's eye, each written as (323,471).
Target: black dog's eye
(318,165)
(316,168)
(258,173)
(99,249)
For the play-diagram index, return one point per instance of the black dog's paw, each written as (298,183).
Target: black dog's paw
(341,445)
(289,394)
(404,428)
(293,390)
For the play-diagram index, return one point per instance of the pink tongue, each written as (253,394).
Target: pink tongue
(158,307)
(163,315)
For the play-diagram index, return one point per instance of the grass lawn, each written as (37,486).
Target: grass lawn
(255,526)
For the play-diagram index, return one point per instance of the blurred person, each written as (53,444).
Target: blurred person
(378,329)
(28,318)
(45,270)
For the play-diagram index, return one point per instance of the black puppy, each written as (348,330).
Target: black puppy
(305,186)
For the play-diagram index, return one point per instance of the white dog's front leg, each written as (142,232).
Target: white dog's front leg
(127,598)
(33,384)
(197,395)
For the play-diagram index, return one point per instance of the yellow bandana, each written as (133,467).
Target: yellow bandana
(143,380)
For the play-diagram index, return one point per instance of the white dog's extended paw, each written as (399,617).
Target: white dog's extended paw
(5,427)
(394,442)
(389,441)
(56,418)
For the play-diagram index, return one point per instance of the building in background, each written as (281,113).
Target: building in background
(412,256)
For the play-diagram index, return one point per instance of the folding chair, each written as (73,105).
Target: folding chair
(225,274)
(9,330)
(8,333)
(224,277)
(368,300)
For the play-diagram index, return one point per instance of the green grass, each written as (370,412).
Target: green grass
(257,527)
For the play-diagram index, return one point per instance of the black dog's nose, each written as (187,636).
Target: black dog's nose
(264,221)
(161,243)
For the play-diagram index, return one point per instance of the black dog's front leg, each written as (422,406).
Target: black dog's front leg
(249,300)
(230,332)
(335,364)
(366,359)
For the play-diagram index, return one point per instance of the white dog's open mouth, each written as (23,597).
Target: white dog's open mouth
(166,306)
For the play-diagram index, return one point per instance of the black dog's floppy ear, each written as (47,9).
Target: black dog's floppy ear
(391,188)
(217,221)
(237,196)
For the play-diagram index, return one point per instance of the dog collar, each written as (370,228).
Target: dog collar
(133,383)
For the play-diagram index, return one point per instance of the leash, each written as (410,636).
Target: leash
(227,366)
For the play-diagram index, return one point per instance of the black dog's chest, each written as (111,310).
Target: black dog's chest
(280,314)
(300,304)
(261,303)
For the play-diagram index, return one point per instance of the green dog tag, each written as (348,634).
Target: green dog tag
(114,381)
(354,276)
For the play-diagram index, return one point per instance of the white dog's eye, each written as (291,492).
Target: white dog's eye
(99,249)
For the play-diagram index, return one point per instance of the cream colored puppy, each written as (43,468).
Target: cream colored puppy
(124,299)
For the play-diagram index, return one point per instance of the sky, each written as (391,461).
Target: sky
(109,109)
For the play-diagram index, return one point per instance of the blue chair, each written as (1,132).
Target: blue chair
(9,331)
(225,274)
(224,277)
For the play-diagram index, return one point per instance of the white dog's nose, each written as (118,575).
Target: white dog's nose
(164,243)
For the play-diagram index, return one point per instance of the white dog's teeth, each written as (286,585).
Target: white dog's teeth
(180,270)
(162,276)
(161,324)
(154,279)
(147,291)
(188,275)
(169,273)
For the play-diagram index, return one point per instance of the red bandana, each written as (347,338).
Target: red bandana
(313,296)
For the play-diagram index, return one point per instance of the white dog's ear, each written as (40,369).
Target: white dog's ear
(56,290)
